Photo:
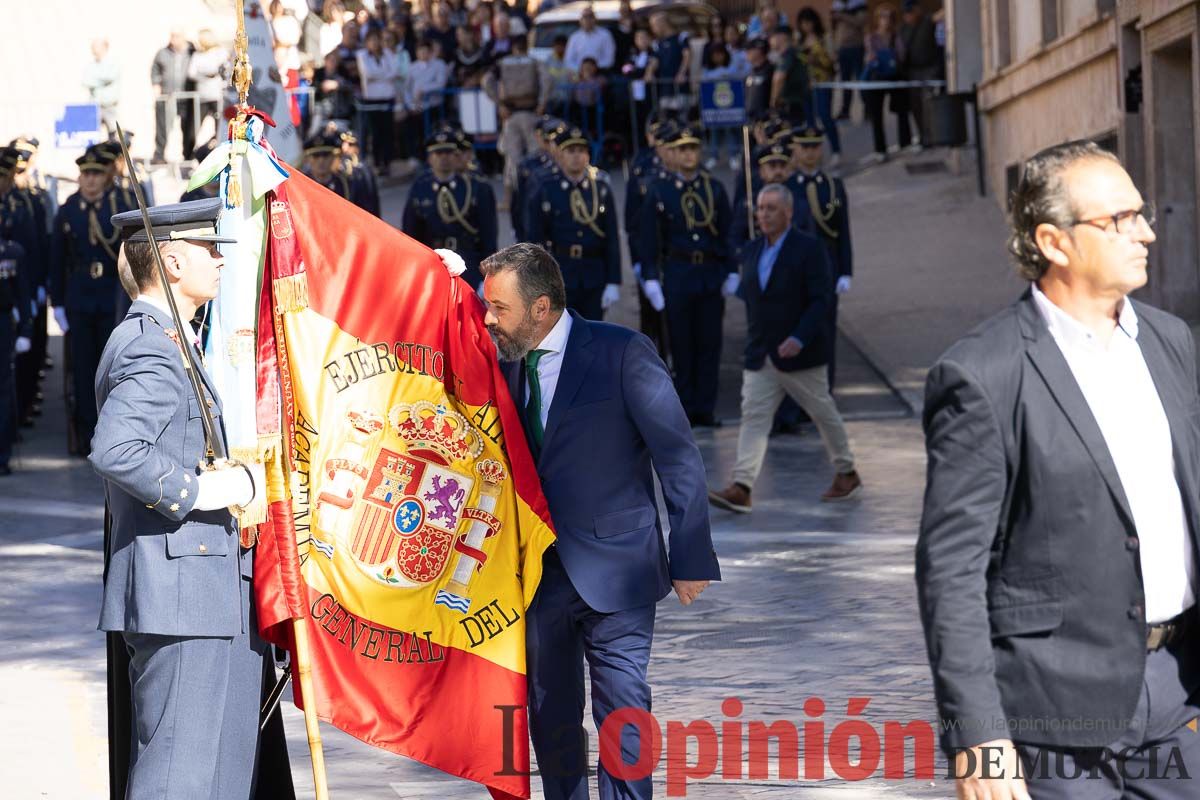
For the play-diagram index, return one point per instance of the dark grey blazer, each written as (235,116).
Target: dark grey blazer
(171,570)
(1028,574)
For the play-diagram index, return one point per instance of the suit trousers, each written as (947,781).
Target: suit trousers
(89,331)
(195,713)
(562,632)
(694,333)
(762,391)
(1158,758)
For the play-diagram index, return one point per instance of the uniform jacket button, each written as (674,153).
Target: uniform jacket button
(203,549)
(1132,543)
(1135,612)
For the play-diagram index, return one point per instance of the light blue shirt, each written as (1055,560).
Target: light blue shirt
(766,261)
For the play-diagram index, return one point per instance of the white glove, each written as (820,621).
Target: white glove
(843,284)
(653,290)
(23,345)
(453,261)
(729,289)
(222,488)
(637,271)
(60,316)
(612,293)
(41,295)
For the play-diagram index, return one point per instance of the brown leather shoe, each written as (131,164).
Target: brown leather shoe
(734,497)
(845,486)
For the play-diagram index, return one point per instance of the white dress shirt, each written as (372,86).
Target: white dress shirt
(599,45)
(1121,394)
(550,365)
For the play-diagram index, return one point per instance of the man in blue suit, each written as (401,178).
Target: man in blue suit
(786,285)
(176,582)
(601,418)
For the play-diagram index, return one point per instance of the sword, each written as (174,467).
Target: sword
(216,446)
(273,698)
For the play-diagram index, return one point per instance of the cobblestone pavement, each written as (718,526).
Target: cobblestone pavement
(817,602)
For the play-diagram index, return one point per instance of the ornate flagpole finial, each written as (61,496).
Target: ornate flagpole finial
(241,60)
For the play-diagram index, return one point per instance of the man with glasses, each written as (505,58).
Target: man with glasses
(1056,559)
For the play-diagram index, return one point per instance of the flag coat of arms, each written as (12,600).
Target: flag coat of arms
(406,522)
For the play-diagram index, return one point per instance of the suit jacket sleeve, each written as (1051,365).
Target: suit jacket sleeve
(652,403)
(144,393)
(966,480)
(817,287)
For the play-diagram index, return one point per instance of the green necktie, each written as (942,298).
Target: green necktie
(533,406)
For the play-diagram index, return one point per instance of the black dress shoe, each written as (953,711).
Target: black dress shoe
(5,470)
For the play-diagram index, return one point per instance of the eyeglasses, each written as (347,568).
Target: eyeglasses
(1122,222)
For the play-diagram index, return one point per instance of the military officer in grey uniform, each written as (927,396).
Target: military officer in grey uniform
(177,584)
(574,217)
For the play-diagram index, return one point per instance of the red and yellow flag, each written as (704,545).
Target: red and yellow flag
(410,534)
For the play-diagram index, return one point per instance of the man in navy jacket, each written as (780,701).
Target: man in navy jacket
(787,289)
(601,418)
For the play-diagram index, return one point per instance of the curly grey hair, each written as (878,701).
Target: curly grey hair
(1042,197)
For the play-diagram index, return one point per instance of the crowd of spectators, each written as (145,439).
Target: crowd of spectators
(391,69)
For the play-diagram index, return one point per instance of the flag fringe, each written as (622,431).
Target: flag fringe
(291,293)
(255,512)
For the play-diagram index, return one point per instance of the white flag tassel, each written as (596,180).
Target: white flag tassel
(246,168)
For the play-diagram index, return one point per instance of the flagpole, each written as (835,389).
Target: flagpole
(311,725)
(242,72)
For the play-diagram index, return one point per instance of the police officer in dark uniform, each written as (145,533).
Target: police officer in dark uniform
(23,218)
(16,324)
(687,244)
(647,164)
(83,283)
(45,204)
(575,218)
(360,172)
(450,209)
(323,163)
(540,160)
(822,210)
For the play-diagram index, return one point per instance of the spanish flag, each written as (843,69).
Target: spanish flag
(406,524)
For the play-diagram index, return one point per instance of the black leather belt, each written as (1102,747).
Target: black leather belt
(577,251)
(689,256)
(1169,632)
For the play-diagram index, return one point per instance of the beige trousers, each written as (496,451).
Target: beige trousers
(762,392)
